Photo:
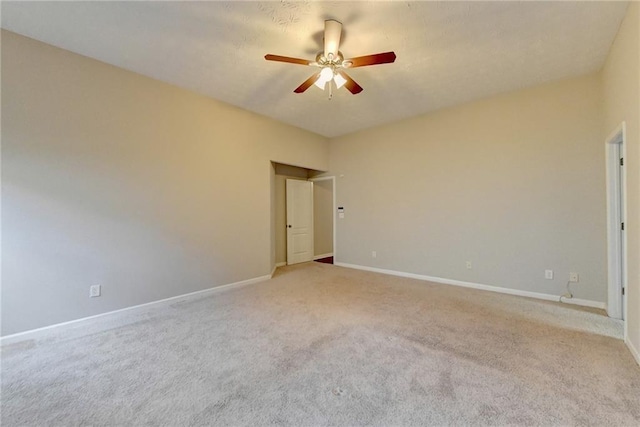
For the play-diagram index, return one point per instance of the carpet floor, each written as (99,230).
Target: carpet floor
(324,345)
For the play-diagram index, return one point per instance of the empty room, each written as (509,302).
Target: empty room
(312,213)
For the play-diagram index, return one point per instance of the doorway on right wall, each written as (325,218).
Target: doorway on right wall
(616,214)
(323,219)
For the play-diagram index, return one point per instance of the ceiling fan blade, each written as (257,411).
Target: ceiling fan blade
(332,34)
(307,83)
(279,58)
(378,58)
(351,85)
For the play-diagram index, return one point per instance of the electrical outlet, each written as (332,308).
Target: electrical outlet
(548,274)
(374,254)
(573,277)
(94,291)
(468,265)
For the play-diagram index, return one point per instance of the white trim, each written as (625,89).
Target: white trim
(322,256)
(634,351)
(335,225)
(35,333)
(538,295)
(275,267)
(615,148)
(618,130)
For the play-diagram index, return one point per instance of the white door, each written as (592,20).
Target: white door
(299,221)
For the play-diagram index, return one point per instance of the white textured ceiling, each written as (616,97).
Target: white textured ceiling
(447,52)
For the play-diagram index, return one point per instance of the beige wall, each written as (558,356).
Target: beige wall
(112,178)
(515,184)
(323,217)
(621,83)
(282,173)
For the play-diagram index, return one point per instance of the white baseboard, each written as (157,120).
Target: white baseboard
(322,256)
(634,351)
(275,267)
(36,333)
(547,297)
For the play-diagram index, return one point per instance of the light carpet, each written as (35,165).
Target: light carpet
(324,345)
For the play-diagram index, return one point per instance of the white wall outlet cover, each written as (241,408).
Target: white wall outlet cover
(374,254)
(574,277)
(469,265)
(548,274)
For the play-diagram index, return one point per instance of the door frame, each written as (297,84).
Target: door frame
(617,251)
(333,190)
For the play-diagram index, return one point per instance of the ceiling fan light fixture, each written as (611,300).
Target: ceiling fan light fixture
(340,81)
(326,74)
(320,84)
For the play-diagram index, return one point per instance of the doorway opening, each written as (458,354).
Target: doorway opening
(289,207)
(324,208)
(616,214)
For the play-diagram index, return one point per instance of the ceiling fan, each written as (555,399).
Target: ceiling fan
(332,63)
